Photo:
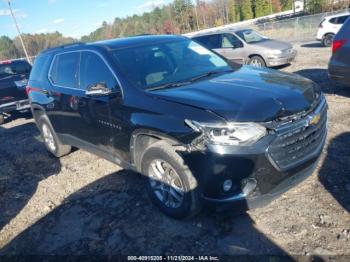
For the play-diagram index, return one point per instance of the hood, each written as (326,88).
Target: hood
(247,94)
(272,44)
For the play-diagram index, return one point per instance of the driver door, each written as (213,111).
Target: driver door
(232,48)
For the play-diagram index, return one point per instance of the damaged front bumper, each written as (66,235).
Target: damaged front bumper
(260,173)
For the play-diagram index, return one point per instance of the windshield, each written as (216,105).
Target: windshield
(250,36)
(14,68)
(166,63)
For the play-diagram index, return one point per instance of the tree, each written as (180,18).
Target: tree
(316,6)
(286,5)
(8,49)
(245,9)
(276,6)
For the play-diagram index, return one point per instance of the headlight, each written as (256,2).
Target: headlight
(243,134)
(275,52)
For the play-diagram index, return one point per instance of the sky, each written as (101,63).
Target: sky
(73,18)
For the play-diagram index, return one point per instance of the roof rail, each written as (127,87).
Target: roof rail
(64,46)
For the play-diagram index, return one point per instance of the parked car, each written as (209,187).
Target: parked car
(329,27)
(339,64)
(14,76)
(246,46)
(165,106)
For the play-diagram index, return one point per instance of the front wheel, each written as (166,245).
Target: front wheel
(257,61)
(171,184)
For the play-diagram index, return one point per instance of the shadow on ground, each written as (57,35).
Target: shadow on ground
(313,45)
(114,216)
(24,162)
(335,172)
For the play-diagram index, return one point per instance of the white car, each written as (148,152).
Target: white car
(329,27)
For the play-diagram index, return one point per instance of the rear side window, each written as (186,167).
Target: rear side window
(40,68)
(14,68)
(342,19)
(210,41)
(64,71)
(93,70)
(339,20)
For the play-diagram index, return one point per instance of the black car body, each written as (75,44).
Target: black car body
(339,64)
(14,76)
(228,135)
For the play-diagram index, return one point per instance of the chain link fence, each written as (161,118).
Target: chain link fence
(298,29)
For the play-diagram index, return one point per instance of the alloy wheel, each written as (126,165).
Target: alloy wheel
(166,183)
(48,137)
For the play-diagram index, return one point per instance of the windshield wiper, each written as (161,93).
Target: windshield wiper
(210,73)
(170,85)
(193,79)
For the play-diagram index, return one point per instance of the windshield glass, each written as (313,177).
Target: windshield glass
(250,36)
(161,64)
(14,68)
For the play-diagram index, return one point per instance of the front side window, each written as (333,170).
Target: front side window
(165,63)
(64,71)
(230,41)
(250,36)
(93,70)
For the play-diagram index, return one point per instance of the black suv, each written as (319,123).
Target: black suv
(201,130)
(14,76)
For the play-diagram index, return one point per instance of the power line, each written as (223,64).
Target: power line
(19,32)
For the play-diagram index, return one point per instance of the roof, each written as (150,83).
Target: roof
(221,31)
(116,43)
(134,40)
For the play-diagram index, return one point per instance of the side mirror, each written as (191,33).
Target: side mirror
(97,90)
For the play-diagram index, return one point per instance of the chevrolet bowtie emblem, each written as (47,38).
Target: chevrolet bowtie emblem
(315,119)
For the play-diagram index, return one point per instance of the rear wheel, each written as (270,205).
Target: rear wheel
(328,40)
(2,119)
(53,145)
(257,61)
(171,184)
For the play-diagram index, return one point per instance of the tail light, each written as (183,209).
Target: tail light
(337,44)
(30,89)
(27,90)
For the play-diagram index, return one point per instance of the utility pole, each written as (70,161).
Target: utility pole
(19,32)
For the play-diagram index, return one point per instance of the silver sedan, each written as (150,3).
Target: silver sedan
(246,46)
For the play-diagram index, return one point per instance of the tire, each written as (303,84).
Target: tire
(257,61)
(2,119)
(328,40)
(190,203)
(51,141)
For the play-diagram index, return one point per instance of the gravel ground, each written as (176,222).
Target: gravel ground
(81,204)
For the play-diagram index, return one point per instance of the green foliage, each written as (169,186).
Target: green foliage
(8,49)
(286,5)
(316,6)
(245,9)
(262,7)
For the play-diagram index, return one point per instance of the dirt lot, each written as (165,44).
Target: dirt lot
(81,204)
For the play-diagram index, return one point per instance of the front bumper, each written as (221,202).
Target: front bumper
(15,106)
(264,171)
(283,59)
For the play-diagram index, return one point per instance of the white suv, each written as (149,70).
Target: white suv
(329,27)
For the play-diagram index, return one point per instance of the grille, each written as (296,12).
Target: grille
(299,141)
